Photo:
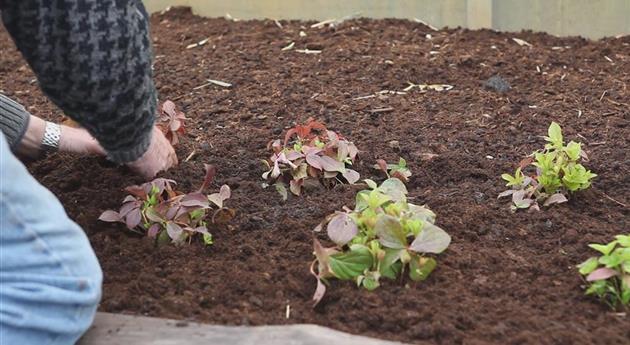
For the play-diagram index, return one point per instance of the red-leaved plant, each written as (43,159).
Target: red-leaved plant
(171,122)
(161,212)
(310,153)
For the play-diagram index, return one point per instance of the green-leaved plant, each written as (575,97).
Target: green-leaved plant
(608,276)
(399,171)
(558,173)
(384,236)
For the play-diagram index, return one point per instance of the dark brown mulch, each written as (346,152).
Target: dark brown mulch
(506,278)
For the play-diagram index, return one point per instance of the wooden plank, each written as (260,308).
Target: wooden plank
(117,329)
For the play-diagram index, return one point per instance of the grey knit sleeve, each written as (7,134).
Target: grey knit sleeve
(13,120)
(93,59)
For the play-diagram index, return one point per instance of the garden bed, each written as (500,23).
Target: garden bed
(506,278)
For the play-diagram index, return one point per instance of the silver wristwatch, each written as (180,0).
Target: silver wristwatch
(52,135)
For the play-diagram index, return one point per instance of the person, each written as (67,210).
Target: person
(92,58)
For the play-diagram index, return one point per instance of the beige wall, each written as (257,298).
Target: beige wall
(590,18)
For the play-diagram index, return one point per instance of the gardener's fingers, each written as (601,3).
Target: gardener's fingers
(160,156)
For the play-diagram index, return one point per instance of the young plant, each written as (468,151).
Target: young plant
(310,154)
(399,171)
(558,173)
(160,212)
(384,236)
(171,122)
(608,276)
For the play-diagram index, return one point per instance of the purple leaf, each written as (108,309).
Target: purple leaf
(351,176)
(390,233)
(133,218)
(225,192)
(342,151)
(128,207)
(109,216)
(506,193)
(129,198)
(352,151)
(314,161)
(431,239)
(342,229)
(293,155)
(211,171)
(320,291)
(174,231)
(331,164)
(153,230)
(195,199)
(201,230)
(557,198)
(601,274)
(296,186)
(137,191)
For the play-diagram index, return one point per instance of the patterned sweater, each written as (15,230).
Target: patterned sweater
(93,59)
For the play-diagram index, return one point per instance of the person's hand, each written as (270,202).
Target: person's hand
(159,156)
(72,140)
(79,141)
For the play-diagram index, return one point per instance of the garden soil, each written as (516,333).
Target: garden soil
(506,278)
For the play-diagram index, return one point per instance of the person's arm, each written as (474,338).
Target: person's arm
(25,133)
(93,59)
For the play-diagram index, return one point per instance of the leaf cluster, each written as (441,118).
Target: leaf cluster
(159,211)
(384,236)
(171,122)
(311,154)
(558,172)
(399,171)
(608,276)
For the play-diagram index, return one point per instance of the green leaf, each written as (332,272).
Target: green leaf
(376,199)
(604,248)
(282,190)
(390,232)
(623,240)
(431,239)
(207,239)
(611,261)
(573,150)
(371,184)
(588,266)
(390,265)
(350,264)
(555,135)
(370,281)
(421,267)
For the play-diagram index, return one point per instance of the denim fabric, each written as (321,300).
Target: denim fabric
(50,279)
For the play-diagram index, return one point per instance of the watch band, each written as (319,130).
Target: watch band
(52,135)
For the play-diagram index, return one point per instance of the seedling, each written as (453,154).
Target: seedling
(399,171)
(171,122)
(384,236)
(310,153)
(608,276)
(161,212)
(558,173)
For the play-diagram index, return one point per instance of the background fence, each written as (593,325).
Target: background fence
(589,18)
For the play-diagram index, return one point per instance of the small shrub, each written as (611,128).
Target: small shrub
(558,173)
(608,276)
(171,122)
(384,236)
(310,153)
(161,212)
(399,171)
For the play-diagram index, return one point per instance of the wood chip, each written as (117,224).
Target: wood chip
(308,51)
(289,47)
(521,42)
(198,44)
(381,110)
(219,83)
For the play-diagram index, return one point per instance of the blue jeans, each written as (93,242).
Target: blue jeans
(50,279)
